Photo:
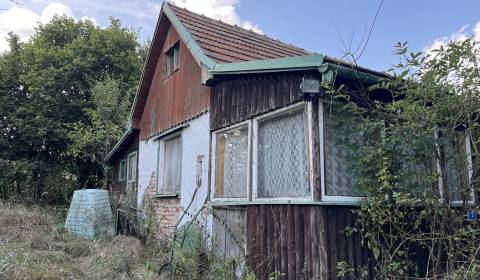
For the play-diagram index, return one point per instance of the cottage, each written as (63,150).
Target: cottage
(164,155)
(234,121)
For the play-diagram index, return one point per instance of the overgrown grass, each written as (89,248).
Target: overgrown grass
(34,245)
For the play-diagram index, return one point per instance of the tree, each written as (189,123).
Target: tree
(47,92)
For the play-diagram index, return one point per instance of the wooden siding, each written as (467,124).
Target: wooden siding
(302,241)
(117,185)
(175,99)
(239,97)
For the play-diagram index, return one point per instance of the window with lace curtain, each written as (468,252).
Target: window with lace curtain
(265,157)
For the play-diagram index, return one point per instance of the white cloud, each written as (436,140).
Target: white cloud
(91,19)
(224,10)
(19,21)
(460,35)
(22,21)
(55,9)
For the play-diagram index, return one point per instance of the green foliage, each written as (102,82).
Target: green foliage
(64,98)
(413,147)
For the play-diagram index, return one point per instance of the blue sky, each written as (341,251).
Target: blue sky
(306,23)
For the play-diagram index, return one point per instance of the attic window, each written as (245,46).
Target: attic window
(172,60)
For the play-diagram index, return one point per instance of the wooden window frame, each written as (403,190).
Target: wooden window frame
(213,183)
(173,55)
(468,153)
(349,200)
(324,197)
(161,165)
(252,153)
(307,111)
(124,169)
(134,179)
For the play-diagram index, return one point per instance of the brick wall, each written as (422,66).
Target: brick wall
(166,211)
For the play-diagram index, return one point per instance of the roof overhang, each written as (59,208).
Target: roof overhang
(122,144)
(329,68)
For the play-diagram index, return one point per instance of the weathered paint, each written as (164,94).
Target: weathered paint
(177,98)
(303,242)
(240,97)
(195,144)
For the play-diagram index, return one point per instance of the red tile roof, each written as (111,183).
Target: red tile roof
(229,43)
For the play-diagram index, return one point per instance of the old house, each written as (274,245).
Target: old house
(235,121)
(163,158)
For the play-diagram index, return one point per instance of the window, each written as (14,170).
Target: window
(415,168)
(172,60)
(278,159)
(456,155)
(231,162)
(170,165)
(122,170)
(338,132)
(282,155)
(132,167)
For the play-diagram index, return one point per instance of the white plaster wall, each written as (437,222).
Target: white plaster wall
(195,143)
(147,164)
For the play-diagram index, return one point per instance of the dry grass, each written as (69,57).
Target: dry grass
(34,245)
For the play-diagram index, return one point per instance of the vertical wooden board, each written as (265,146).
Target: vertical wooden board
(299,239)
(315,243)
(283,242)
(307,244)
(260,260)
(277,235)
(332,243)
(316,163)
(341,238)
(350,249)
(252,237)
(291,242)
(270,231)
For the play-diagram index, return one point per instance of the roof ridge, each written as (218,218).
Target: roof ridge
(239,28)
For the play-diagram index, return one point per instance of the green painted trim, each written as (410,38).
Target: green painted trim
(330,70)
(187,37)
(115,148)
(280,202)
(312,61)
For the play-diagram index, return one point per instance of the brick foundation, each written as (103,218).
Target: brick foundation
(166,211)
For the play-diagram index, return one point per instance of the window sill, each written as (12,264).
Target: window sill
(218,203)
(166,195)
(167,77)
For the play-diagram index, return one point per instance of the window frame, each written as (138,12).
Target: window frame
(213,183)
(468,154)
(307,112)
(134,179)
(252,173)
(124,169)
(323,194)
(173,54)
(160,189)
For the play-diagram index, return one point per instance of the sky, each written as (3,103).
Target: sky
(321,26)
